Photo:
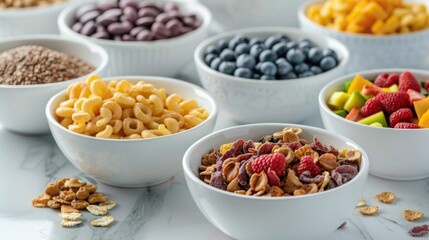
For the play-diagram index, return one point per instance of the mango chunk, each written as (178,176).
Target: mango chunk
(358,83)
(424,120)
(421,106)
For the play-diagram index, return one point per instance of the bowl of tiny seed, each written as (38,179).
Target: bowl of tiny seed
(33,68)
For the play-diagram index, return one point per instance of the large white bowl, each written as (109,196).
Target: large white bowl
(372,52)
(22,107)
(235,14)
(35,20)
(247,217)
(396,154)
(133,162)
(252,101)
(165,57)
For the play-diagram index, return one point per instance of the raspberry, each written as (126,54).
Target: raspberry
(381,79)
(408,81)
(401,115)
(373,105)
(427,85)
(395,101)
(273,161)
(381,96)
(392,79)
(407,125)
(307,164)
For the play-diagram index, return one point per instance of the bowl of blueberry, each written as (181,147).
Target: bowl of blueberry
(269,74)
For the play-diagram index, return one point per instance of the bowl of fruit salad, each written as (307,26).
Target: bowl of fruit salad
(269,74)
(386,111)
(274,180)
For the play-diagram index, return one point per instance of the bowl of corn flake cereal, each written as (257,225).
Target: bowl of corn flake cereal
(274,180)
(33,68)
(129,131)
(378,34)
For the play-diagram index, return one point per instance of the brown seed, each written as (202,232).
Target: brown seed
(328,161)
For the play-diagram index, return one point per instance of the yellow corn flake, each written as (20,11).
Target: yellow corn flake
(386,197)
(368,211)
(224,147)
(412,215)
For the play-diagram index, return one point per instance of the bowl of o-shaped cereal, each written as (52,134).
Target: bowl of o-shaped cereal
(275,180)
(129,131)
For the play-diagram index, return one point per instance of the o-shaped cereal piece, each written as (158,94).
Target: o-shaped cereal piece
(142,112)
(114,108)
(124,99)
(152,125)
(188,105)
(172,102)
(106,133)
(157,104)
(200,113)
(151,133)
(163,129)
(98,88)
(68,103)
(64,111)
(78,104)
(141,99)
(172,125)
(116,124)
(85,93)
(106,117)
(192,121)
(179,118)
(66,122)
(81,116)
(123,86)
(132,126)
(78,127)
(74,90)
(92,78)
(91,105)
(127,113)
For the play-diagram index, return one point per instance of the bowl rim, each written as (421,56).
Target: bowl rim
(199,53)
(189,172)
(302,16)
(15,12)
(202,12)
(212,116)
(324,107)
(51,37)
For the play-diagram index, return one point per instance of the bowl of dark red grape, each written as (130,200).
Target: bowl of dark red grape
(269,74)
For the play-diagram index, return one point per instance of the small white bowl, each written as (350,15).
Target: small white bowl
(235,14)
(309,216)
(374,52)
(396,154)
(253,101)
(22,106)
(34,20)
(133,162)
(165,57)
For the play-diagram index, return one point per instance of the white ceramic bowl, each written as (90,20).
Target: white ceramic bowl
(235,14)
(252,101)
(133,163)
(36,20)
(247,217)
(165,57)
(396,154)
(22,107)
(372,52)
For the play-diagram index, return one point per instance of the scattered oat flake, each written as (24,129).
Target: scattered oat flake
(70,216)
(70,223)
(97,210)
(386,197)
(369,211)
(361,202)
(103,222)
(412,215)
(419,231)
(109,204)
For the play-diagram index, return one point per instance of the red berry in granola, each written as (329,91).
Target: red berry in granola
(307,164)
(408,81)
(401,115)
(273,161)
(372,106)
(406,125)
(395,101)
(381,79)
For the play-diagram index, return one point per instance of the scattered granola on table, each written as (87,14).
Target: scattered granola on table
(368,211)
(412,215)
(71,195)
(280,164)
(386,197)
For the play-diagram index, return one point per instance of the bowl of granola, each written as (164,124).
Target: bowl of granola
(275,176)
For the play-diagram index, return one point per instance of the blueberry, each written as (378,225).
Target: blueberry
(212,49)
(327,63)
(271,41)
(305,43)
(243,72)
(282,37)
(267,77)
(268,68)
(329,52)
(315,55)
(290,75)
(241,48)
(241,38)
(267,56)
(227,55)
(258,67)
(306,74)
(302,67)
(316,70)
(246,61)
(209,58)
(256,76)
(283,66)
(254,41)
(295,56)
(215,63)
(280,48)
(291,45)
(256,49)
(222,44)
(227,67)
(237,40)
